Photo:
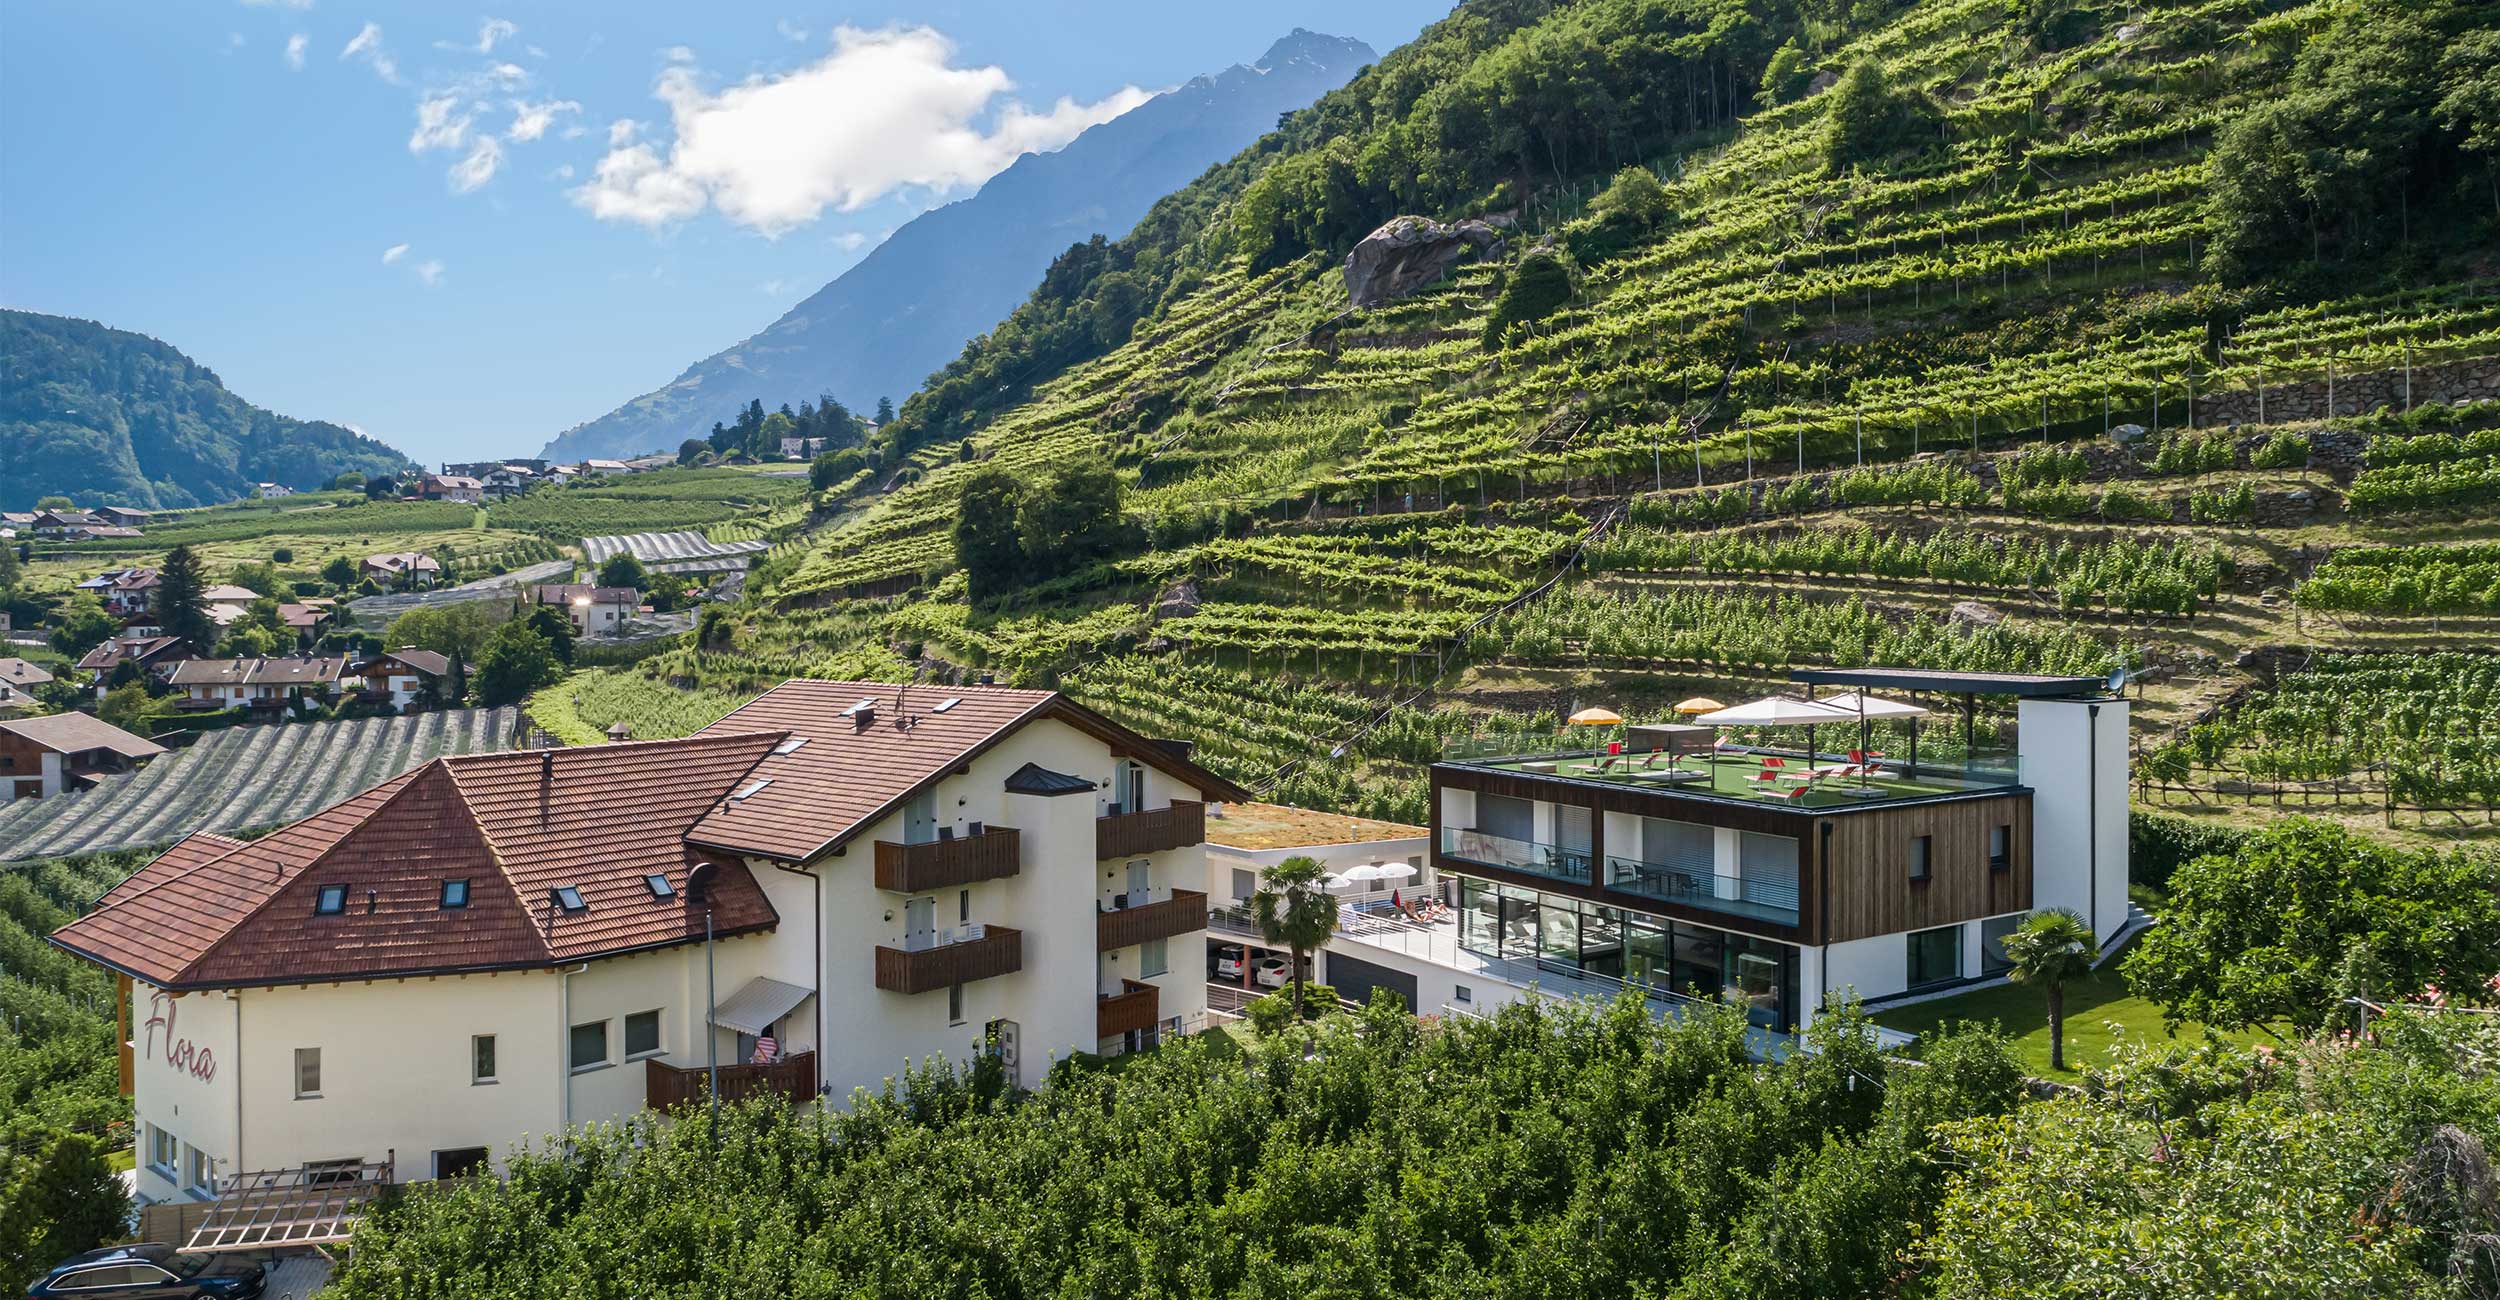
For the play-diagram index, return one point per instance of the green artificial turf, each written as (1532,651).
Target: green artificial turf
(2100,1012)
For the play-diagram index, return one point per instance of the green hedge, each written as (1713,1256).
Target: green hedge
(2157,843)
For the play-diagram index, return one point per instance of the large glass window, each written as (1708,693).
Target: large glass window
(1936,955)
(1992,934)
(1768,860)
(1647,946)
(1479,917)
(1558,930)
(1601,941)
(1512,819)
(1700,961)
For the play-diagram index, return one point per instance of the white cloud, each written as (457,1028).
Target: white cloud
(493,30)
(508,75)
(563,172)
(485,157)
(440,123)
(884,110)
(367,45)
(431,272)
(678,54)
(774,288)
(295,51)
(394,253)
(621,132)
(530,121)
(850,241)
(288,4)
(790,31)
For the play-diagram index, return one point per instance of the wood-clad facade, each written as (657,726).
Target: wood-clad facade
(1853,862)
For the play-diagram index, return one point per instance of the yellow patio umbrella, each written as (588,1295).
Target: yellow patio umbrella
(1596,718)
(1699,704)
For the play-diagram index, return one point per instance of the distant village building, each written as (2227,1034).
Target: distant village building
(18,680)
(154,654)
(606,467)
(273,489)
(124,591)
(452,487)
(595,611)
(802,448)
(402,677)
(268,684)
(123,516)
(403,569)
(508,481)
(63,525)
(41,757)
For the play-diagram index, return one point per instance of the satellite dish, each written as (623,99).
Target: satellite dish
(2117,679)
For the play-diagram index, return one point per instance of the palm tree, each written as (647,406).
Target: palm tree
(2049,948)
(1294,908)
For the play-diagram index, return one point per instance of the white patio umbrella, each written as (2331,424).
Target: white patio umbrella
(1779,711)
(1336,884)
(1395,870)
(1874,706)
(1367,873)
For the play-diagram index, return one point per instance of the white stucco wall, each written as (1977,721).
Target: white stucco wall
(195,1104)
(2079,811)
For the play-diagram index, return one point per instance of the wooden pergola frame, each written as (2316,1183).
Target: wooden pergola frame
(309,1205)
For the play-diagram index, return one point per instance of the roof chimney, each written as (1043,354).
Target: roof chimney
(546,782)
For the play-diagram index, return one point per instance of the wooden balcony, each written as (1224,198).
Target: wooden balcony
(793,1079)
(1185,912)
(1135,1006)
(1125,835)
(1000,951)
(943,864)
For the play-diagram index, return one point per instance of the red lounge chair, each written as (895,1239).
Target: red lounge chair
(1796,792)
(1774,762)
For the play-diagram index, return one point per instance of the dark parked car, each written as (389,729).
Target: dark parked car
(150,1270)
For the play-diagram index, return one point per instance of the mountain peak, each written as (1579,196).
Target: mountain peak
(1305,46)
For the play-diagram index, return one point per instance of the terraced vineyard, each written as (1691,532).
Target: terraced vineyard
(244,778)
(1990,407)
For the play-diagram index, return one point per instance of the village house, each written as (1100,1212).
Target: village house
(404,676)
(402,569)
(63,525)
(43,756)
(18,680)
(225,602)
(452,487)
(595,611)
(273,489)
(834,879)
(304,620)
(606,467)
(125,592)
(798,448)
(264,684)
(505,481)
(122,516)
(153,654)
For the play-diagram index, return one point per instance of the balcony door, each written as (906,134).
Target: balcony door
(1574,834)
(920,818)
(1140,882)
(1128,786)
(919,923)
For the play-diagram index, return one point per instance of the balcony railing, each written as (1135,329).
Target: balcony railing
(1135,1006)
(793,1079)
(1185,912)
(994,950)
(943,864)
(1767,900)
(1127,834)
(1550,860)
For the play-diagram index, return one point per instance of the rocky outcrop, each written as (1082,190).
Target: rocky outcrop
(1180,600)
(1410,252)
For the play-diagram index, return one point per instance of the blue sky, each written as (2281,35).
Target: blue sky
(465,229)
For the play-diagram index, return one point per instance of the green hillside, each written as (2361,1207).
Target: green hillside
(1847,384)
(107,417)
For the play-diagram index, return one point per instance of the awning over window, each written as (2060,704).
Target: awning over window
(754,1008)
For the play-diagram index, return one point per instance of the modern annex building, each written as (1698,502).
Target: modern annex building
(832,881)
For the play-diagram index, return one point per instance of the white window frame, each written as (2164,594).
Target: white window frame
(493,1050)
(1154,957)
(303,1056)
(659,1041)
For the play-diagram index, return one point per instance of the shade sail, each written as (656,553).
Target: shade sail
(754,1007)
(1778,711)
(1699,704)
(1872,706)
(1596,718)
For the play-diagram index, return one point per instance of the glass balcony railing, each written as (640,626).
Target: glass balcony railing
(1737,895)
(1550,860)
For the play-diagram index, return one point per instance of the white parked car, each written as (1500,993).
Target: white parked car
(1269,973)
(1228,961)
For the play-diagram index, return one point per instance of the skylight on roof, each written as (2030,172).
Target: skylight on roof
(949,702)
(790,746)
(751,787)
(332,900)
(659,886)
(569,897)
(456,893)
(863,706)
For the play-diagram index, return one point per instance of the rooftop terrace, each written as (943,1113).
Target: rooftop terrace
(1761,776)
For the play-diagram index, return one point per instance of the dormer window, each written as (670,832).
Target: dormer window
(331,901)
(660,888)
(455,893)
(569,898)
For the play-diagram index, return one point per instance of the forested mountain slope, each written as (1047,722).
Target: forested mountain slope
(949,274)
(108,417)
(1843,374)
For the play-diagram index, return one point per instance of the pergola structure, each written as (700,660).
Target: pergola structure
(309,1205)
(1969,685)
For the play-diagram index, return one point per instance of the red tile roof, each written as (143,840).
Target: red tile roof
(515,825)
(848,775)
(257,672)
(108,656)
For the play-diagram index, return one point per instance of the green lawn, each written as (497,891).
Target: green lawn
(2092,1007)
